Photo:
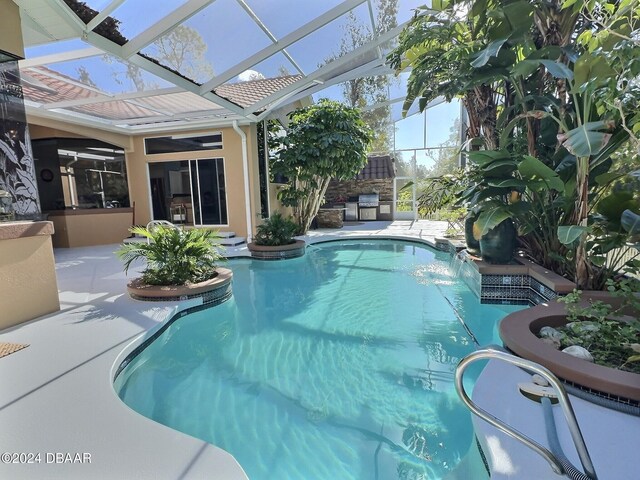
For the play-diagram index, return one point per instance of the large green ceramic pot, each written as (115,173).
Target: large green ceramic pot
(498,244)
(473,245)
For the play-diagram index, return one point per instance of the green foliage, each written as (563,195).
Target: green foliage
(174,256)
(612,342)
(276,230)
(326,140)
(551,86)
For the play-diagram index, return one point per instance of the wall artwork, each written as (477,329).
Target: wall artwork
(17,170)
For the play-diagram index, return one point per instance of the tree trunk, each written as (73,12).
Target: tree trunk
(583,266)
(309,207)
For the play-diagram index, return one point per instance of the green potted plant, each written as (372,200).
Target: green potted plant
(590,338)
(180,263)
(274,239)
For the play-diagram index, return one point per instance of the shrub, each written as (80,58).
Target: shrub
(276,230)
(174,256)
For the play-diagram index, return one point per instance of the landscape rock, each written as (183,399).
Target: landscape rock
(578,352)
(553,342)
(550,332)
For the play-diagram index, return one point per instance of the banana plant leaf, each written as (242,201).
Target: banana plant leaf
(525,68)
(483,56)
(567,234)
(533,169)
(587,139)
(484,157)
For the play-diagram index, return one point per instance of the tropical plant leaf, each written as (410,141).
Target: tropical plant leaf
(526,67)
(499,168)
(483,157)
(613,206)
(491,218)
(631,222)
(567,234)
(587,139)
(508,183)
(591,69)
(483,56)
(533,169)
(557,69)
(606,178)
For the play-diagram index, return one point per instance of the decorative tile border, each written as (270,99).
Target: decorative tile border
(280,255)
(517,286)
(210,299)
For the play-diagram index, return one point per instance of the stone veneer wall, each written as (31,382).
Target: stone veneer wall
(353,188)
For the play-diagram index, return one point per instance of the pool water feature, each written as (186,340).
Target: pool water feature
(335,365)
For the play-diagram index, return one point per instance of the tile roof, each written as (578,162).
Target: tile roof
(378,167)
(246,94)
(45,86)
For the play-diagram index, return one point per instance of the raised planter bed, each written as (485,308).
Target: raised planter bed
(280,252)
(214,291)
(518,332)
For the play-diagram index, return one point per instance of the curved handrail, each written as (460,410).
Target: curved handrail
(574,429)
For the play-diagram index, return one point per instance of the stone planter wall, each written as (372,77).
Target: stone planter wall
(281,252)
(518,332)
(213,292)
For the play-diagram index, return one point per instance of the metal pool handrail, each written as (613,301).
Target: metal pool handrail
(574,429)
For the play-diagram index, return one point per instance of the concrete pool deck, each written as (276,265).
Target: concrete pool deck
(58,406)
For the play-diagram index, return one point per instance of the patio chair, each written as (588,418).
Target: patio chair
(159,223)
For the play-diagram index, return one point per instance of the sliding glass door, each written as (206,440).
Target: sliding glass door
(209,193)
(191,192)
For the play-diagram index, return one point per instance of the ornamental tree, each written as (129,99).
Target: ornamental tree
(323,141)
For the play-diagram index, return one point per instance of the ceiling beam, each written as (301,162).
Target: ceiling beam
(110,98)
(288,96)
(271,36)
(325,71)
(60,57)
(284,42)
(104,13)
(175,117)
(158,70)
(372,68)
(163,26)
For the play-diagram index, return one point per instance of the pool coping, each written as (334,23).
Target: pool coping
(61,396)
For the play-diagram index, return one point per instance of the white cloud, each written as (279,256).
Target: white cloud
(248,75)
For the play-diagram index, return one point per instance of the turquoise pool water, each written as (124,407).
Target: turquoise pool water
(336,365)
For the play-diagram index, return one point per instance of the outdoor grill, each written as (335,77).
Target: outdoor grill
(369,200)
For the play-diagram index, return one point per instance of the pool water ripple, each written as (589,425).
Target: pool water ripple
(336,365)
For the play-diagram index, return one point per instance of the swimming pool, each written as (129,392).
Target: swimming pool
(335,365)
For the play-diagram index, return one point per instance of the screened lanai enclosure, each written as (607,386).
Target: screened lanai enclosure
(144,67)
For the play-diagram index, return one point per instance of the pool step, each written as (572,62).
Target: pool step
(231,241)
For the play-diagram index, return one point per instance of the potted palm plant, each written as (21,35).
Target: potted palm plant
(180,264)
(274,239)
